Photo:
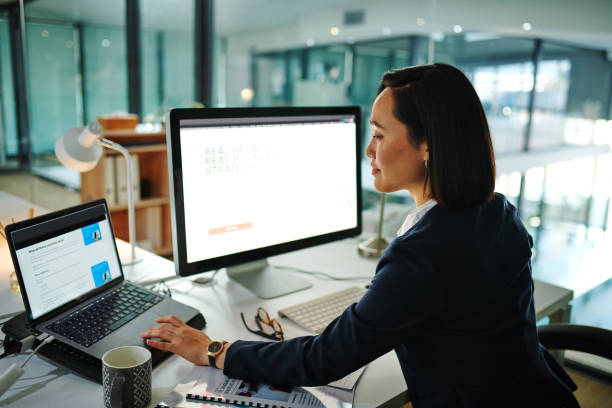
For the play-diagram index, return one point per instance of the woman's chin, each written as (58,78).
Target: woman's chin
(382,188)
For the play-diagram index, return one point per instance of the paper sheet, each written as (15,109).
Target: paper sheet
(210,383)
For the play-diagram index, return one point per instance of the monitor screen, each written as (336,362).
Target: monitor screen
(254,182)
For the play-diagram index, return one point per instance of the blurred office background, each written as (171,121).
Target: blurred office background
(543,70)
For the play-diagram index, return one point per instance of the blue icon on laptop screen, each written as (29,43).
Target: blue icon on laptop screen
(101,273)
(91,233)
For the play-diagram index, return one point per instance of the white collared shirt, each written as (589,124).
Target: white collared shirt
(415,215)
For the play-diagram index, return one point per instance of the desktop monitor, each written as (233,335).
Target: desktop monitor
(250,183)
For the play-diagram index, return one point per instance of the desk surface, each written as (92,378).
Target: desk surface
(11,207)
(45,384)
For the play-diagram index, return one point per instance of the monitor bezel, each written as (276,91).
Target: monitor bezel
(85,296)
(174,116)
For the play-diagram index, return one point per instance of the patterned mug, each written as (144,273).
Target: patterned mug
(126,377)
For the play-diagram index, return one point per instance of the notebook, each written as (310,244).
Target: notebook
(207,386)
(72,283)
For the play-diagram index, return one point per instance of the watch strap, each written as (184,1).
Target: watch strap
(212,357)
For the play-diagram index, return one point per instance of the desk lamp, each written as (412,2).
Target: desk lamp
(374,247)
(80,149)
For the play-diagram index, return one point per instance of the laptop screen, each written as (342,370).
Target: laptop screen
(66,257)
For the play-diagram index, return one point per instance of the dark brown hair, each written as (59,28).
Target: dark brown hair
(439,106)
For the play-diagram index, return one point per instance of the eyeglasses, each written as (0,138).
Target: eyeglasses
(262,317)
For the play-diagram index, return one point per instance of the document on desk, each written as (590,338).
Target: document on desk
(209,385)
(348,382)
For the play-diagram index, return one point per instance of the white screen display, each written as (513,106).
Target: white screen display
(60,269)
(252,186)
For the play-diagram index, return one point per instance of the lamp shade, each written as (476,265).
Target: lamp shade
(79,149)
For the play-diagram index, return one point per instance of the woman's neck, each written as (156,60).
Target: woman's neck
(420,195)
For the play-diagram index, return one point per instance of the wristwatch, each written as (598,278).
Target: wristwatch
(214,349)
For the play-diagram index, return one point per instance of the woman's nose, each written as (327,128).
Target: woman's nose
(370,151)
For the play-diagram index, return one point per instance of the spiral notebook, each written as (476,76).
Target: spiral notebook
(209,386)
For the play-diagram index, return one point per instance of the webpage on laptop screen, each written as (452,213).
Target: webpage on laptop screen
(57,270)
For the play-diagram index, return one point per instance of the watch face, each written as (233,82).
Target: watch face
(215,347)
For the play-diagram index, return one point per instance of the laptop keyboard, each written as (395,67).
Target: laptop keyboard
(102,317)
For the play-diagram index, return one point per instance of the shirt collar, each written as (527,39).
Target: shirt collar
(415,215)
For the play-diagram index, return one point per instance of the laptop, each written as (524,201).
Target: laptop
(72,283)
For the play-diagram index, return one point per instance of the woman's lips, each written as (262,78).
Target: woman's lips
(375,171)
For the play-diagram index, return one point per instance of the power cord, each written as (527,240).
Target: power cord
(15,371)
(323,274)
(12,346)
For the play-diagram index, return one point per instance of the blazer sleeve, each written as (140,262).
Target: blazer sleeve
(400,304)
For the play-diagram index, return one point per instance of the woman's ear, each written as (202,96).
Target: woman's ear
(424,148)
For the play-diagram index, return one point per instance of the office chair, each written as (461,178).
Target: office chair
(587,339)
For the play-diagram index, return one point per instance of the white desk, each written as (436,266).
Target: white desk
(11,207)
(44,384)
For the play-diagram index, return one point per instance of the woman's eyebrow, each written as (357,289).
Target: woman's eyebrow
(378,125)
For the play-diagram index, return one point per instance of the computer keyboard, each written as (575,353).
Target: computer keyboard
(316,314)
(105,315)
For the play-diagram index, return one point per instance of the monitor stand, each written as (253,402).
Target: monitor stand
(266,281)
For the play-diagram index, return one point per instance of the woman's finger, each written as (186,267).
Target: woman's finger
(176,321)
(163,331)
(173,320)
(161,345)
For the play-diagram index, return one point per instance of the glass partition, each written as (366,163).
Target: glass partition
(8,118)
(52,79)
(105,70)
(572,93)
(167,52)
(77,71)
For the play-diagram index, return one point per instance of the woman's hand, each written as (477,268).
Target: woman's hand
(181,339)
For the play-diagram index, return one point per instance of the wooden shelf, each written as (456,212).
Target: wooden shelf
(153,224)
(133,136)
(145,203)
(148,148)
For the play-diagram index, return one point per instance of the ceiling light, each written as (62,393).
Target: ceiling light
(247,94)
(535,222)
(310,42)
(526,26)
(106,42)
(334,31)
(44,33)
(457,28)
(420,21)
(386,31)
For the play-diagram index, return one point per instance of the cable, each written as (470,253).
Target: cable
(205,280)
(12,346)
(45,341)
(315,273)
(15,371)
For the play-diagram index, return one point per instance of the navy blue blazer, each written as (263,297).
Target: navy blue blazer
(453,297)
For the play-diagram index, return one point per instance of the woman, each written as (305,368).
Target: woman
(452,294)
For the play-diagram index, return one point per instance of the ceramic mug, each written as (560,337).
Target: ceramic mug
(126,377)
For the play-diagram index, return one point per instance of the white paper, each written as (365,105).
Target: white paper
(211,384)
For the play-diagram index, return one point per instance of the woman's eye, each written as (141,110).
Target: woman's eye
(377,137)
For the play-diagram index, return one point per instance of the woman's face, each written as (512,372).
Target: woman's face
(396,163)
